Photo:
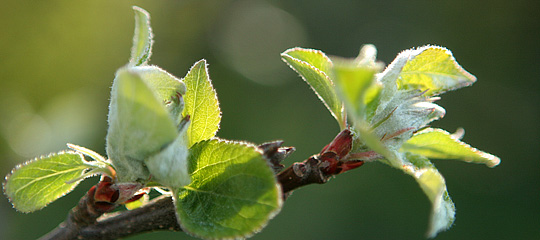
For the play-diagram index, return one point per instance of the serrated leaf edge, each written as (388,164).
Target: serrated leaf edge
(271,215)
(493,160)
(414,52)
(341,119)
(75,184)
(209,80)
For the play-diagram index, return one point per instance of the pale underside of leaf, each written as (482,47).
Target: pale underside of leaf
(439,144)
(201,104)
(142,38)
(139,126)
(434,186)
(34,184)
(314,66)
(233,192)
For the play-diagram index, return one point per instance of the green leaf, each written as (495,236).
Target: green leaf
(433,69)
(142,38)
(358,87)
(169,167)
(233,192)
(439,144)
(314,67)
(167,87)
(201,104)
(432,183)
(139,126)
(36,183)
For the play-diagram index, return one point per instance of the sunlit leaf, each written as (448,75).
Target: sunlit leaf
(233,192)
(434,70)
(439,144)
(34,184)
(314,67)
(432,183)
(139,126)
(358,86)
(142,39)
(201,104)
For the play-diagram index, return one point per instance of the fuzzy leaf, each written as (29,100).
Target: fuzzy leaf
(201,104)
(233,192)
(34,184)
(169,167)
(314,67)
(142,38)
(432,183)
(432,69)
(167,87)
(439,144)
(139,126)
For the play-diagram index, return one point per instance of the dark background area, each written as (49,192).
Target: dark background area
(58,59)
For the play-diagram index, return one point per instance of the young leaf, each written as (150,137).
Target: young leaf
(434,70)
(142,39)
(167,87)
(139,126)
(34,184)
(169,167)
(432,183)
(358,87)
(314,67)
(233,192)
(439,144)
(201,104)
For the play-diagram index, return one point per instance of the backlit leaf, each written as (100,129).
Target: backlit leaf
(439,144)
(432,69)
(142,38)
(233,192)
(34,184)
(314,67)
(201,104)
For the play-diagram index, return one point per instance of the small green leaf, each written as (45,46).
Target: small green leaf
(233,192)
(314,67)
(142,38)
(201,104)
(432,183)
(433,69)
(34,184)
(139,126)
(439,144)
(358,87)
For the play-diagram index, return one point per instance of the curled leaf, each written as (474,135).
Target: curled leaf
(142,38)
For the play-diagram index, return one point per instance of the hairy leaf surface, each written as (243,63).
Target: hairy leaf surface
(142,38)
(439,144)
(314,67)
(201,104)
(139,126)
(36,183)
(233,192)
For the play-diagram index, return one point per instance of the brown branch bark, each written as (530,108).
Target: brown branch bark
(86,221)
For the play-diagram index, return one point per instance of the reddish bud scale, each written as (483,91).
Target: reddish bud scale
(333,154)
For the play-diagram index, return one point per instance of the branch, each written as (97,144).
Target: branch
(88,221)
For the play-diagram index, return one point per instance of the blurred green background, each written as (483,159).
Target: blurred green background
(58,59)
